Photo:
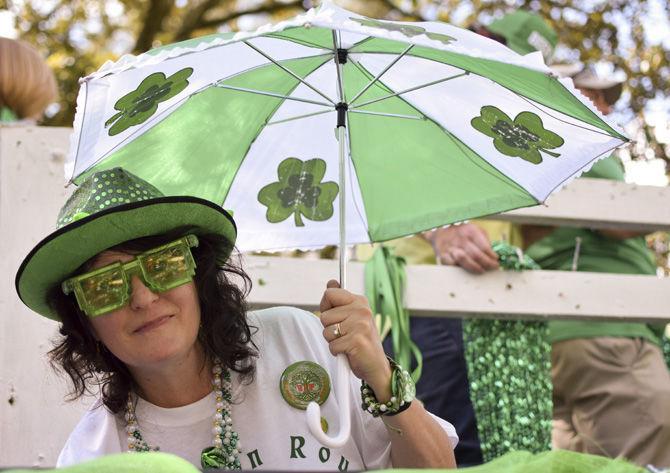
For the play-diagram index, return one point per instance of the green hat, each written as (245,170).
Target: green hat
(526,32)
(109,208)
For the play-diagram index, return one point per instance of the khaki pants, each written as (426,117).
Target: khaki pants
(612,398)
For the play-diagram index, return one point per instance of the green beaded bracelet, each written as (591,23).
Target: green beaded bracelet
(402,394)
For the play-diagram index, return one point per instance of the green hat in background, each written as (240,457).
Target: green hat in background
(525,33)
(109,208)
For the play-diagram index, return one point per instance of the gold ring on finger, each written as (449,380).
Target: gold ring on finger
(337,331)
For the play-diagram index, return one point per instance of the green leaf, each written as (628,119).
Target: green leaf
(548,139)
(268,196)
(139,105)
(407,30)
(492,115)
(299,192)
(446,39)
(524,137)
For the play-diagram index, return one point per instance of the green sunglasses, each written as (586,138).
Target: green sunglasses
(160,269)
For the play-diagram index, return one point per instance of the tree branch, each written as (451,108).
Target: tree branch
(273,8)
(193,19)
(156,13)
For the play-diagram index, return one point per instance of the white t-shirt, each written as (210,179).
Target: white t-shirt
(272,433)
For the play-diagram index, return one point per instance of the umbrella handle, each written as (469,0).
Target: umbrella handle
(344,401)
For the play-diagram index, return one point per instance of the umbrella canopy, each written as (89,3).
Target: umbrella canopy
(435,125)
(443,125)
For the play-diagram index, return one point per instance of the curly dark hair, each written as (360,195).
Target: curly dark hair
(224,332)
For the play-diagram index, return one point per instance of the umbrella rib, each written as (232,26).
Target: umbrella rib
(338,67)
(562,120)
(373,81)
(298,117)
(74,165)
(411,89)
(352,168)
(283,68)
(395,115)
(272,94)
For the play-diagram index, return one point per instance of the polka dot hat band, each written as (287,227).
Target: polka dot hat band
(104,190)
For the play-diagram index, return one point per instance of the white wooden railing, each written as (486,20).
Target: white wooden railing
(35,421)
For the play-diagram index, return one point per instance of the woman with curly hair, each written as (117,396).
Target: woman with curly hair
(152,314)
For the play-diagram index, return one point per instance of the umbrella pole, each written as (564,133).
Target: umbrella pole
(343,369)
(343,231)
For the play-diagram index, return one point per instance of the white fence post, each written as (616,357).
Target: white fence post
(34,421)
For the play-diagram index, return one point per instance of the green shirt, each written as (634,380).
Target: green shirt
(598,254)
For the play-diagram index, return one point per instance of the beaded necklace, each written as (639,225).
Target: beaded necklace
(227,446)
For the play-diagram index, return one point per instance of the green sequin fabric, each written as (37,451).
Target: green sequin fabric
(509,368)
(104,190)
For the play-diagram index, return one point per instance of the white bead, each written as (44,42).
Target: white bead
(227,434)
(226,441)
(231,459)
(129,417)
(229,421)
(218,416)
(239,446)
(218,442)
(382,407)
(219,405)
(216,430)
(393,399)
(235,452)
(217,369)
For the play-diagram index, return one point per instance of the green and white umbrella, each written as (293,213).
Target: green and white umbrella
(437,125)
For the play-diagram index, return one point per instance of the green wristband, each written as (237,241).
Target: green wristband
(402,394)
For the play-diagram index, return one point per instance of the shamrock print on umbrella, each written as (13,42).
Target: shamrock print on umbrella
(137,106)
(407,30)
(299,192)
(524,137)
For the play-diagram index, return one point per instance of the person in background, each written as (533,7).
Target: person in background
(27,84)
(523,32)
(444,386)
(611,384)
